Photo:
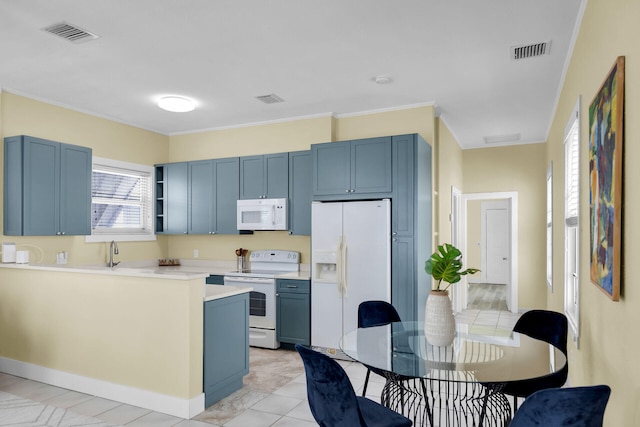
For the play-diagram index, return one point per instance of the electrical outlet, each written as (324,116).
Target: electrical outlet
(196,253)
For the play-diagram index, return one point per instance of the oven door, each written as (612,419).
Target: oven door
(262,300)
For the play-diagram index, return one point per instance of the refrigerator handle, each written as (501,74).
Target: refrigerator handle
(339,265)
(345,284)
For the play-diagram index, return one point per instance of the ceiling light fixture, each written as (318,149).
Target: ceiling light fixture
(382,80)
(176,104)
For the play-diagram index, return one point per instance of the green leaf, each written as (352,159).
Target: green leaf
(445,264)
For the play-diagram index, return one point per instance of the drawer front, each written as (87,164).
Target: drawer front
(293,286)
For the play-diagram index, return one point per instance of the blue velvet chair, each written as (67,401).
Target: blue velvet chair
(571,406)
(333,401)
(548,326)
(375,313)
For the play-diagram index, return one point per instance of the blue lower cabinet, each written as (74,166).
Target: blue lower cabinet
(226,346)
(293,311)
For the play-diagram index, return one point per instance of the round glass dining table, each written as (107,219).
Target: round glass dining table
(456,385)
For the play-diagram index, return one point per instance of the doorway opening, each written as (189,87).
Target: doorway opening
(493,247)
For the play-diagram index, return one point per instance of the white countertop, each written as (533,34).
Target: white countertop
(189,269)
(156,272)
(213,292)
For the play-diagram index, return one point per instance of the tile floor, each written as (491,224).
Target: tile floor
(274,394)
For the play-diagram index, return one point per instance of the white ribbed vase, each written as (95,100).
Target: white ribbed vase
(439,321)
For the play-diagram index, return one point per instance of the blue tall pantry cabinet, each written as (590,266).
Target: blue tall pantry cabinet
(300,193)
(47,187)
(411,225)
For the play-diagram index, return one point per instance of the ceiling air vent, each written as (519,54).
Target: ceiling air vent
(500,139)
(530,51)
(70,32)
(270,99)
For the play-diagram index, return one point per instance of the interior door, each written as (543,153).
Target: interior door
(497,246)
(496,241)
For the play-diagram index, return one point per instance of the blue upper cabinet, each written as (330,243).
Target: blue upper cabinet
(331,168)
(197,197)
(226,174)
(265,176)
(200,197)
(352,169)
(75,189)
(176,179)
(47,188)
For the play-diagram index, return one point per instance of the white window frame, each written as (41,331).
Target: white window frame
(148,234)
(572,222)
(549,220)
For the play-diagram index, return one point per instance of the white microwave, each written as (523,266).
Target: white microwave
(262,214)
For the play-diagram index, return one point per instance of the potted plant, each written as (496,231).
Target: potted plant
(445,265)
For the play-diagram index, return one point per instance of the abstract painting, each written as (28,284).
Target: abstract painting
(606,114)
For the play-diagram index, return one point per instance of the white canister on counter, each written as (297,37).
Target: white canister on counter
(8,252)
(22,257)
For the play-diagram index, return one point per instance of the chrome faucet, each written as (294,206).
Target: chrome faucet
(113,249)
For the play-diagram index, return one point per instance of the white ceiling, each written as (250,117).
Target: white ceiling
(319,56)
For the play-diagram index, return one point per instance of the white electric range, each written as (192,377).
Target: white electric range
(264,267)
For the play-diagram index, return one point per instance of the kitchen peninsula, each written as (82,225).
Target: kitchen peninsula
(133,335)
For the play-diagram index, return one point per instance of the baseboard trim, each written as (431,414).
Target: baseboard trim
(171,405)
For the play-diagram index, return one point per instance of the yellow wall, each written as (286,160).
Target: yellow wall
(521,169)
(24,116)
(448,173)
(473,255)
(279,137)
(20,115)
(251,140)
(608,347)
(397,122)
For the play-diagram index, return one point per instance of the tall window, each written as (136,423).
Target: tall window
(550,226)
(121,201)
(571,221)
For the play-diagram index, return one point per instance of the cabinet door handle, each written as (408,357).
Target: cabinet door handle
(292,286)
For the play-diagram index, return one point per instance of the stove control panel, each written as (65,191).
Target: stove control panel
(275,256)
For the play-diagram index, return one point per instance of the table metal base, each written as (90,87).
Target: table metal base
(430,402)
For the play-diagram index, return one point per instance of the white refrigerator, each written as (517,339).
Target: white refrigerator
(350,263)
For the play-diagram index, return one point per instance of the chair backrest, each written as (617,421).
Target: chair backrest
(376,313)
(331,396)
(572,406)
(548,326)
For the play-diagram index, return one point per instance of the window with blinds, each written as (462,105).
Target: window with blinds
(572,174)
(121,199)
(571,221)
